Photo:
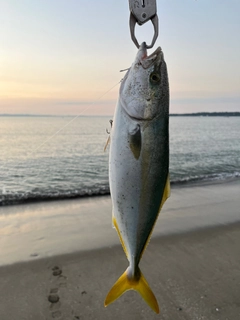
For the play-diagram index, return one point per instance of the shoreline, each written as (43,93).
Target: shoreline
(105,193)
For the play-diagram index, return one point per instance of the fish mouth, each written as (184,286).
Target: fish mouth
(145,60)
(138,108)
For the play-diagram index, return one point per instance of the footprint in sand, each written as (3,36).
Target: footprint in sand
(54,297)
(56,314)
(56,271)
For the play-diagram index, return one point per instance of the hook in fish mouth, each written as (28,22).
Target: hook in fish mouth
(145,60)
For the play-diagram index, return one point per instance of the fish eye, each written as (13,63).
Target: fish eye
(154,78)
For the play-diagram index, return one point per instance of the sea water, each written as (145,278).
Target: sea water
(44,158)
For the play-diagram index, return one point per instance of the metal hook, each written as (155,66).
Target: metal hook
(132,23)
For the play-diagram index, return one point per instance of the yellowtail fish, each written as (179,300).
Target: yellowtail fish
(139,164)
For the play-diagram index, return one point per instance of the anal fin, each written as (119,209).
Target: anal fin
(114,222)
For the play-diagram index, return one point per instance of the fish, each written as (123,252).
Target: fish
(139,165)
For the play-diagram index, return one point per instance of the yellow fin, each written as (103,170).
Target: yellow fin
(114,222)
(166,194)
(140,285)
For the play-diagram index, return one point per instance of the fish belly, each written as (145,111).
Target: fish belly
(138,172)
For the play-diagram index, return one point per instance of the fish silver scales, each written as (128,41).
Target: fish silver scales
(139,164)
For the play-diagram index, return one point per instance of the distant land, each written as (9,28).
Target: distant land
(207,114)
(197,114)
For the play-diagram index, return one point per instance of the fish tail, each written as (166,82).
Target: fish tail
(138,284)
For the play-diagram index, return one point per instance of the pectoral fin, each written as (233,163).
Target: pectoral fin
(135,141)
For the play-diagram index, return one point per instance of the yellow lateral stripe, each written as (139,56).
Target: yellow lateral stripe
(166,194)
(119,234)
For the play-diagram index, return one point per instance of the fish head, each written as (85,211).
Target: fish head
(144,91)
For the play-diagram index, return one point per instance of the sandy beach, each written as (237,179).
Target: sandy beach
(192,262)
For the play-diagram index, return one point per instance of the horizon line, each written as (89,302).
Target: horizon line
(203,113)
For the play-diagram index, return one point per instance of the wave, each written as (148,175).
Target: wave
(223,176)
(30,197)
(8,198)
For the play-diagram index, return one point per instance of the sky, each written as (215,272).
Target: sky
(65,56)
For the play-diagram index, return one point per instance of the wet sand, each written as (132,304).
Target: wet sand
(192,262)
(41,230)
(194,275)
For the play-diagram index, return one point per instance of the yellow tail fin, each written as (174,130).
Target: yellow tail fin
(124,284)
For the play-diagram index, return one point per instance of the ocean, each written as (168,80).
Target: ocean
(47,158)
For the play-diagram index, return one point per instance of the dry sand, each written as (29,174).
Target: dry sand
(195,273)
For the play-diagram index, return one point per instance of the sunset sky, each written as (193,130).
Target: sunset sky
(62,56)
